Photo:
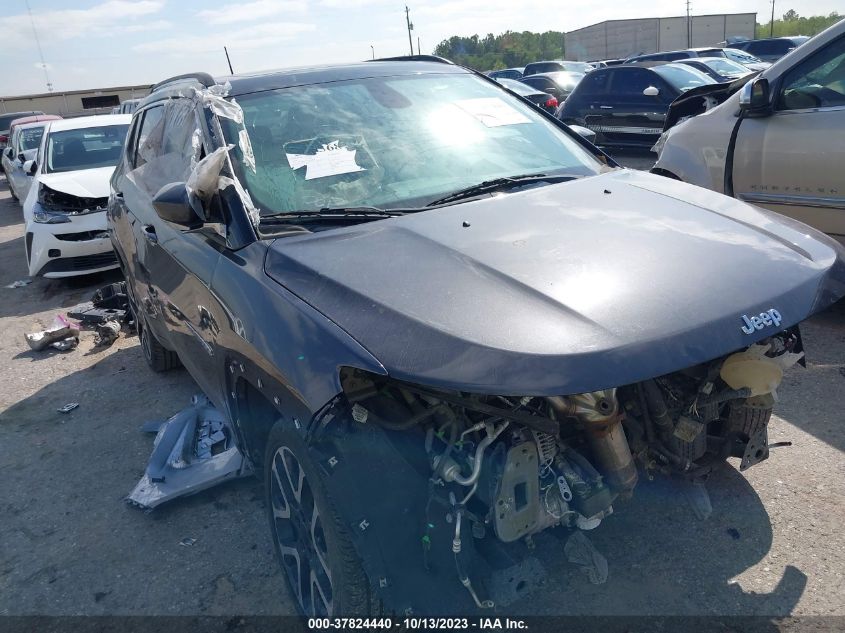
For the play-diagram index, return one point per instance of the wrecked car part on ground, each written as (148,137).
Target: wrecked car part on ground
(193,450)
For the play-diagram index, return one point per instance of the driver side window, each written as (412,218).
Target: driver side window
(818,82)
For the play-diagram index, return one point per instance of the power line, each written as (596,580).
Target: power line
(38,44)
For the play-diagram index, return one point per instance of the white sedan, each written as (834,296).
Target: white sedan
(65,209)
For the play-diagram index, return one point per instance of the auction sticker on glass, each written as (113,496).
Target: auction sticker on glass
(331,159)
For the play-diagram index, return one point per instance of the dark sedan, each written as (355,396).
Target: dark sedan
(539,98)
(626,105)
(558,84)
(506,73)
(441,325)
(557,65)
(771,49)
(719,68)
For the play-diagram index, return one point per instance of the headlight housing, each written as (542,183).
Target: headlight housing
(42,216)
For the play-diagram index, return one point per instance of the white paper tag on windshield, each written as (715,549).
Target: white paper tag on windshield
(492,111)
(330,160)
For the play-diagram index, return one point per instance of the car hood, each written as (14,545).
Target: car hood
(85,183)
(562,288)
(692,101)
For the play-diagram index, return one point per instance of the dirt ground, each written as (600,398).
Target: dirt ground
(70,545)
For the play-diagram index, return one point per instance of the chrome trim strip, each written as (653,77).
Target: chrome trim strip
(653,131)
(798,201)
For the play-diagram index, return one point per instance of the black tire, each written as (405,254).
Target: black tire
(308,536)
(158,357)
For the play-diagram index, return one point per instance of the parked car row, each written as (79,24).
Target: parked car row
(625,107)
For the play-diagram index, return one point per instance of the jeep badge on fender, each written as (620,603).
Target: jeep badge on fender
(766,319)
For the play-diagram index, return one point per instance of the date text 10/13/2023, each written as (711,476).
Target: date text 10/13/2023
(417,623)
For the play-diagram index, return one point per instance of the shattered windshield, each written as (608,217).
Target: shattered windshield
(390,142)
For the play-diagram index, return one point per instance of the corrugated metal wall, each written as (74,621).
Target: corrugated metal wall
(69,104)
(621,38)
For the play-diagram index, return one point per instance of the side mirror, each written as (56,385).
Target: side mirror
(754,98)
(651,91)
(584,132)
(174,204)
(30,167)
(21,158)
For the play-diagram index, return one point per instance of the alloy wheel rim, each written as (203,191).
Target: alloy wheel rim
(298,530)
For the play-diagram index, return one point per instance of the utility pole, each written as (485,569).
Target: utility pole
(410,28)
(418,45)
(772,26)
(228,61)
(374,51)
(689,24)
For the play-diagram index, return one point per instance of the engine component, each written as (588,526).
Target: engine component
(750,419)
(689,440)
(752,369)
(599,412)
(516,506)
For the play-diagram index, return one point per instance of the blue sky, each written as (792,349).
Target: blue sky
(102,43)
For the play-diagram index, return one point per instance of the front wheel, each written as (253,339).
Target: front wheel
(312,544)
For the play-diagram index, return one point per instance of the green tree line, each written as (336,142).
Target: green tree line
(510,49)
(793,24)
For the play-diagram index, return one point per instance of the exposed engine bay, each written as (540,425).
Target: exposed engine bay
(54,200)
(515,466)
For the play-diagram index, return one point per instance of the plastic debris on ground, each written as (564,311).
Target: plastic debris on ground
(62,335)
(20,283)
(107,333)
(192,451)
(108,303)
(70,406)
(187,541)
(582,552)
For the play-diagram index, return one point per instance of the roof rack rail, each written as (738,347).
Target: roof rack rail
(204,78)
(414,58)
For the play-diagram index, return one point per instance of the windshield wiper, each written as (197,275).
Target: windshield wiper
(334,214)
(498,184)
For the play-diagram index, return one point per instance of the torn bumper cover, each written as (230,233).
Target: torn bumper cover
(193,450)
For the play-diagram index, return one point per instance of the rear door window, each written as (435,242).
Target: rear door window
(632,81)
(595,83)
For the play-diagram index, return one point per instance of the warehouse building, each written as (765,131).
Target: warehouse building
(74,102)
(616,39)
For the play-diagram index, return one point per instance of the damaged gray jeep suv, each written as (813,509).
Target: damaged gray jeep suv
(439,323)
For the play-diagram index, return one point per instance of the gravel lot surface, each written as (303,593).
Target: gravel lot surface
(69,545)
